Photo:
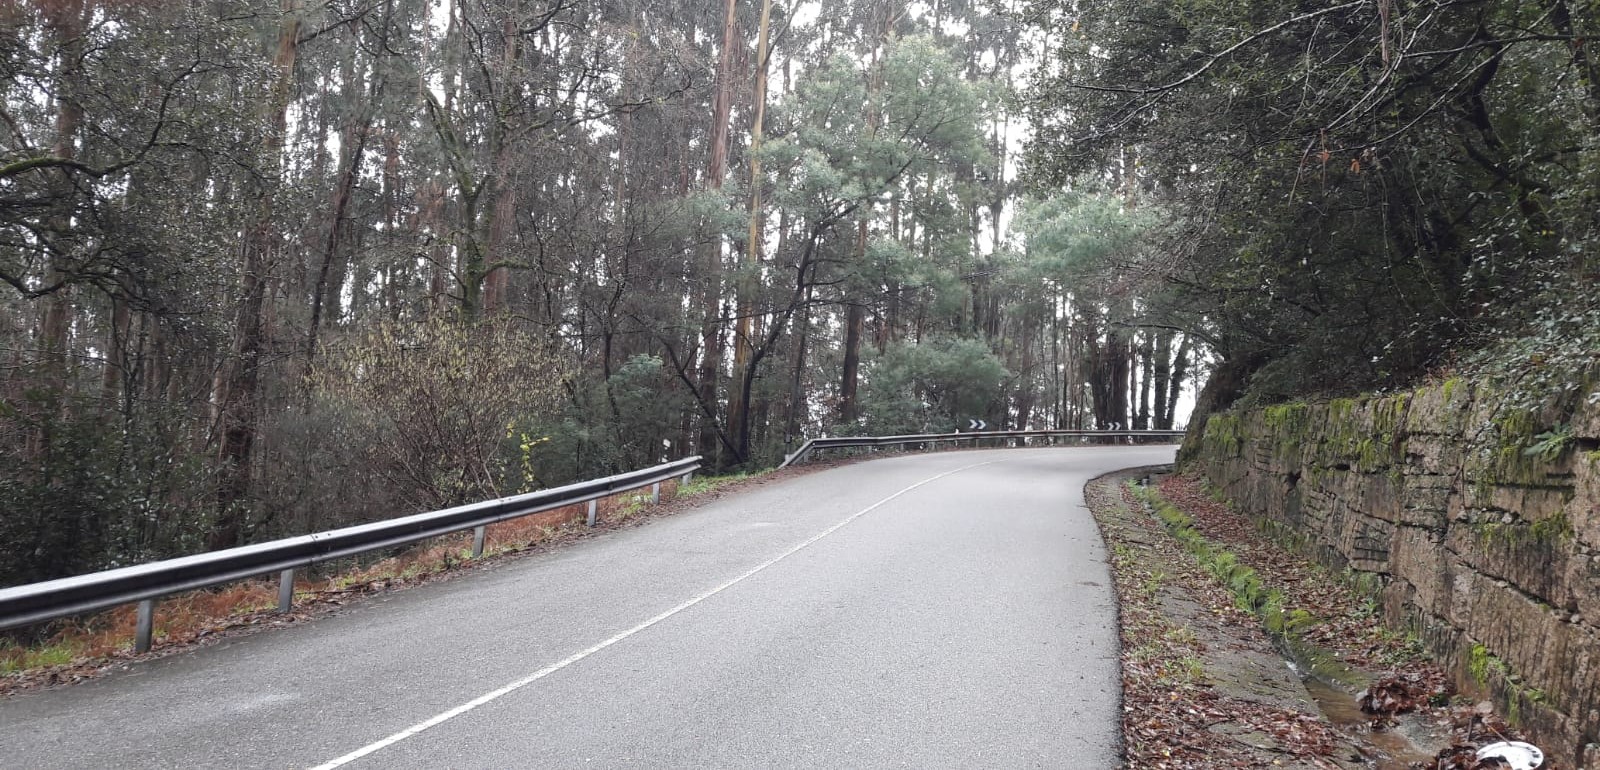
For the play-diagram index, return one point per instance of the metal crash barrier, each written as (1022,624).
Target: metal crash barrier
(145,583)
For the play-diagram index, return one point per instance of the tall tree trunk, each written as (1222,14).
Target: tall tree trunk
(116,363)
(1163,375)
(240,410)
(856,315)
(797,392)
(394,274)
(1180,372)
(1141,420)
(430,216)
(1026,391)
(497,277)
(1057,396)
(1121,378)
(66,22)
(351,148)
(711,337)
(502,222)
(854,327)
(743,370)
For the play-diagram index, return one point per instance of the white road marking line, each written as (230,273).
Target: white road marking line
(580,655)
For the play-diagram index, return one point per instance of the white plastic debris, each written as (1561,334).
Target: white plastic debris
(1521,756)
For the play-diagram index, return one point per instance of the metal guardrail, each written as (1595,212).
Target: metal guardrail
(144,583)
(872,442)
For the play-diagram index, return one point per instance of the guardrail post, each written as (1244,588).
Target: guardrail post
(147,624)
(594,507)
(688,477)
(479,535)
(655,493)
(285,591)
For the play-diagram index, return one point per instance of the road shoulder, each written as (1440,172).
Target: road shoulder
(1200,688)
(1239,652)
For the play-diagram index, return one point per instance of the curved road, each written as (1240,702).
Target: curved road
(944,610)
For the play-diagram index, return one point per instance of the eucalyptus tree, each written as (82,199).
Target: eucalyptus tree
(1085,248)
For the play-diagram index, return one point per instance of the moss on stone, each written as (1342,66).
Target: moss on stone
(1223,434)
(1511,462)
(1481,664)
(1554,530)
(1241,580)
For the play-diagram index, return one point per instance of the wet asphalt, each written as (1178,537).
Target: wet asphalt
(938,610)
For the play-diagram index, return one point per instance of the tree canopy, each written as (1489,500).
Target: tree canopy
(1361,191)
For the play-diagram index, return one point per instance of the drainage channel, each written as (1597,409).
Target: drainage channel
(1331,683)
(1394,748)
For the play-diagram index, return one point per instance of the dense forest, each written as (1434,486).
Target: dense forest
(1358,194)
(275,267)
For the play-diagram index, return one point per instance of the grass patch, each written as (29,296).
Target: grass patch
(14,658)
(1249,592)
(700,485)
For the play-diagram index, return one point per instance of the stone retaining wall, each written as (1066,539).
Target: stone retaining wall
(1482,520)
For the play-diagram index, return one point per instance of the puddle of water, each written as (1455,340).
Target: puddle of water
(1331,683)
(1340,707)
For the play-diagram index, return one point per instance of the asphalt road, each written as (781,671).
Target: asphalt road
(944,610)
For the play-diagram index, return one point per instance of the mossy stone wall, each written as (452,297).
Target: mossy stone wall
(1481,521)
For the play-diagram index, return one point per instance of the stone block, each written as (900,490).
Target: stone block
(1434,454)
(1382,497)
(1418,558)
(1583,510)
(1531,503)
(1366,542)
(1586,422)
(1463,582)
(1527,636)
(1532,562)
(1583,575)
(1440,409)
(1425,501)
